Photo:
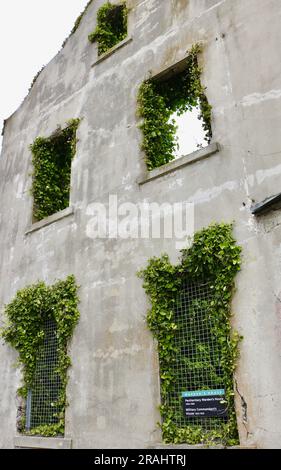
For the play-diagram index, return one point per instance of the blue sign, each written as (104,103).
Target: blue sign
(203,393)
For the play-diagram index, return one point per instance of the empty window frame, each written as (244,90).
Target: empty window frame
(43,401)
(197,362)
(111,26)
(175,111)
(51,158)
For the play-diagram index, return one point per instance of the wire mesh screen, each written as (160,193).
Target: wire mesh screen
(43,396)
(197,362)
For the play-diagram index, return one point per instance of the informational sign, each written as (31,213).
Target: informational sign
(205,404)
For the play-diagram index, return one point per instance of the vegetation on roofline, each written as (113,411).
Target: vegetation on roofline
(74,29)
(111,29)
(77,22)
(36,77)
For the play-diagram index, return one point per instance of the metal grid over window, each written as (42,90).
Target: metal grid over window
(42,408)
(197,362)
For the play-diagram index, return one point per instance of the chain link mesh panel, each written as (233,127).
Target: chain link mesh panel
(197,362)
(43,408)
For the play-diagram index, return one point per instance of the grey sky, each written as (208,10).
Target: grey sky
(31,33)
(190,133)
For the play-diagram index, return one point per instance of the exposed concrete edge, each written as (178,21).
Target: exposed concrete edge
(180,163)
(270,203)
(164,72)
(112,50)
(38,442)
(197,446)
(50,220)
(3,128)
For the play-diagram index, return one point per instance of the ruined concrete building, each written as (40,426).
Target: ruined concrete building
(95,139)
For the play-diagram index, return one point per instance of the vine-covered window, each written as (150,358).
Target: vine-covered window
(111,26)
(43,406)
(197,358)
(40,321)
(190,316)
(51,158)
(176,115)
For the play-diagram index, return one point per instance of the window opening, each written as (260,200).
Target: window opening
(43,398)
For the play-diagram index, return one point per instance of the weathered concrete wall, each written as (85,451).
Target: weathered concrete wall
(114,387)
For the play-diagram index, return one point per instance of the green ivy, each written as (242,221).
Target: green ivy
(159,100)
(24,331)
(51,160)
(214,256)
(111,26)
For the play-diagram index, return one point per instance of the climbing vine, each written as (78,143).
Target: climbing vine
(51,160)
(159,100)
(111,26)
(25,332)
(77,22)
(214,256)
